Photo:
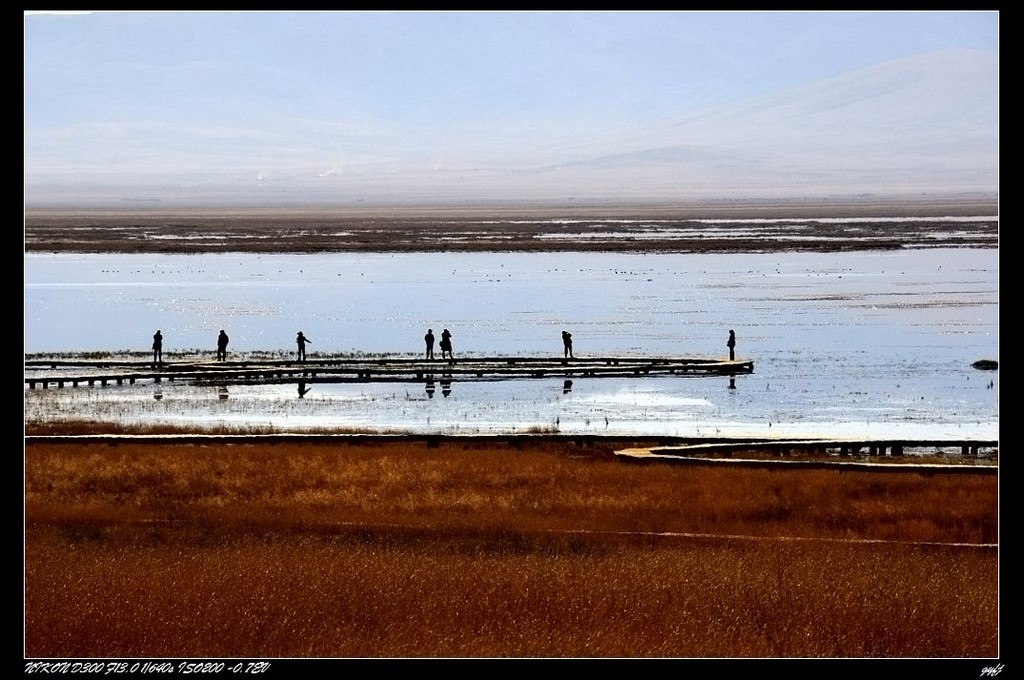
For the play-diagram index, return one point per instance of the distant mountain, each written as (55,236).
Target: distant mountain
(925,124)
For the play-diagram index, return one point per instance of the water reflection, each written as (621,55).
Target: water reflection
(670,406)
(303,390)
(446,385)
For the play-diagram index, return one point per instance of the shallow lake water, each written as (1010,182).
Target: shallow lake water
(861,344)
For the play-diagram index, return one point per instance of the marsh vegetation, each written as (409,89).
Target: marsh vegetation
(482,549)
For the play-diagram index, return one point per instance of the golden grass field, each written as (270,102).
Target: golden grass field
(463,548)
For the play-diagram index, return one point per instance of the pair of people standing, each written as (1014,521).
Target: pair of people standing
(446,344)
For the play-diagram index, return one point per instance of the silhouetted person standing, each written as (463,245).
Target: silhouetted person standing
(301,341)
(567,343)
(731,344)
(446,345)
(222,346)
(158,348)
(429,339)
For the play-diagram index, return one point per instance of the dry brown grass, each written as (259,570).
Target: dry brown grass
(468,549)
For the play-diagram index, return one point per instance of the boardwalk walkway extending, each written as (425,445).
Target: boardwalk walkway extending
(61,373)
(787,452)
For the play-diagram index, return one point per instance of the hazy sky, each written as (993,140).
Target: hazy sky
(198,107)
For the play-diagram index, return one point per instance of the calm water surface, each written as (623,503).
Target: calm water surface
(858,344)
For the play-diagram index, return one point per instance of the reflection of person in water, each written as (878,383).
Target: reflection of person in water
(567,343)
(429,339)
(301,341)
(158,348)
(731,344)
(222,346)
(446,345)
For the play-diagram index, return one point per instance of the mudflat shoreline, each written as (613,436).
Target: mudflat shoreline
(678,228)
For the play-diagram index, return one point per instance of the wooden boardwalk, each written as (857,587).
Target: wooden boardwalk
(62,373)
(732,452)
